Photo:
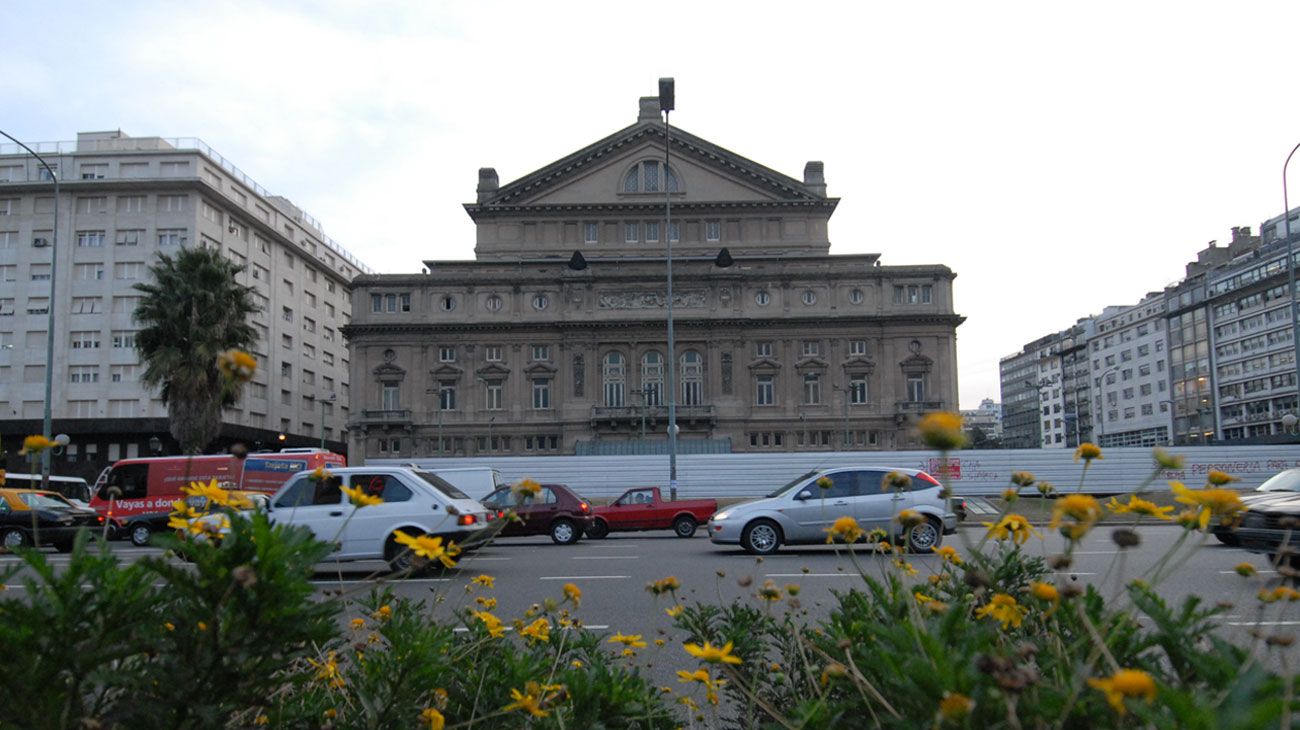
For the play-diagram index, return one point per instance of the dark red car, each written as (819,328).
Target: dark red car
(555,511)
(646,509)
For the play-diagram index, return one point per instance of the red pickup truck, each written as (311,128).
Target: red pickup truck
(646,509)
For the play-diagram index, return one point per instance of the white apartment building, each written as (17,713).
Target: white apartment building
(124,200)
(1130,379)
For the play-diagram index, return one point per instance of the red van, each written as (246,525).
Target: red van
(150,485)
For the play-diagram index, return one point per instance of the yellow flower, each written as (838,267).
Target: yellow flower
(1126,683)
(1279,593)
(527,702)
(1087,452)
(769,591)
(328,670)
(1044,592)
(664,585)
(909,518)
(1188,519)
(1221,503)
(262,720)
(331,713)
(169,626)
(1022,478)
(904,566)
(434,718)
(572,593)
(921,598)
(1009,494)
(358,623)
(674,611)
(948,553)
(214,494)
(486,581)
(846,529)
(384,613)
(1245,570)
(1012,526)
(896,481)
(793,589)
(1166,460)
(493,624)
(942,430)
(33,445)
(955,706)
(203,626)
(1004,608)
(710,684)
(1083,511)
(1138,506)
(525,488)
(631,641)
(429,547)
(539,630)
(237,365)
(825,482)
(1218,478)
(577,664)
(358,497)
(319,474)
(712,654)
(487,603)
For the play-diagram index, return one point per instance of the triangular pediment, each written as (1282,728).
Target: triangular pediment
(446,371)
(859,364)
(764,365)
(811,363)
(388,371)
(541,368)
(492,371)
(594,175)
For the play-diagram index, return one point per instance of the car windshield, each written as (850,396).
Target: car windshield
(442,485)
(43,501)
(792,484)
(1287,481)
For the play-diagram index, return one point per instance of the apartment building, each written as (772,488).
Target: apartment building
(124,200)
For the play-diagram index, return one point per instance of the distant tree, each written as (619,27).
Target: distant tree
(979,439)
(193,310)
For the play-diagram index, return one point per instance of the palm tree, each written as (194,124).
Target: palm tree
(192,311)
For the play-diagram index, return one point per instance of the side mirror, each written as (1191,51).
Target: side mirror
(804,495)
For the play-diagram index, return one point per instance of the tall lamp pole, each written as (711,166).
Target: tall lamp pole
(46,421)
(1290,272)
(666,94)
(327,399)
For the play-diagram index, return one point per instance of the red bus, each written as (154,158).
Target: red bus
(143,486)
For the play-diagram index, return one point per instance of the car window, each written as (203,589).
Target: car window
(497,499)
(42,501)
(843,484)
(641,496)
(4,506)
(385,486)
(793,484)
(442,485)
(871,482)
(1287,481)
(305,491)
(548,496)
(130,480)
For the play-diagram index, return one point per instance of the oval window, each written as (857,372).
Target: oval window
(809,297)
(763,298)
(448,303)
(540,301)
(494,303)
(856,296)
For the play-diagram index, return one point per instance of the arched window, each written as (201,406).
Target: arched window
(692,370)
(652,378)
(614,372)
(648,176)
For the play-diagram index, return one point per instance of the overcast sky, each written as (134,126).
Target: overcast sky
(1060,158)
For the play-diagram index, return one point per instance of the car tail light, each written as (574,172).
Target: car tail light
(584,508)
(501,514)
(465,520)
(928,479)
(99,519)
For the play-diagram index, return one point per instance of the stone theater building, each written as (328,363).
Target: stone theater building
(553,340)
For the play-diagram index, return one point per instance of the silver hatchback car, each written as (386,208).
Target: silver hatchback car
(800,512)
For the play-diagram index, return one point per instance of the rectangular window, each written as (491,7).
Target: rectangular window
(713,230)
(542,394)
(763,349)
(211,214)
(651,232)
(85,340)
(91,205)
(447,396)
(631,232)
(172,237)
(82,408)
(286,314)
(857,347)
(674,231)
(174,169)
(492,391)
(130,203)
(129,237)
(308,324)
(390,397)
(541,352)
(446,354)
(811,348)
(812,389)
(125,305)
(122,409)
(38,305)
(171,203)
(83,374)
(128,270)
(95,171)
(90,239)
(492,353)
(915,388)
(122,374)
(591,232)
(858,391)
(87,305)
(40,272)
(8,273)
(764,390)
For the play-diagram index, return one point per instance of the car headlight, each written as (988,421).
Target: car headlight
(720,516)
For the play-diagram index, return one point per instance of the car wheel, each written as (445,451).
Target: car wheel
(399,559)
(1227,538)
(761,537)
(598,530)
(140,535)
(63,547)
(14,538)
(925,537)
(684,526)
(564,532)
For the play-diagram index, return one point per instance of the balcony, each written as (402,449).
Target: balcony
(610,417)
(395,417)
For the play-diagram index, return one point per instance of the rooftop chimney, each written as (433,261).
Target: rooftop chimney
(649,111)
(488,183)
(814,177)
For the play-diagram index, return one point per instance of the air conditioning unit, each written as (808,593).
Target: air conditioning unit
(40,242)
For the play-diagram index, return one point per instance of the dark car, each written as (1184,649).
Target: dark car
(1279,487)
(1272,528)
(57,520)
(554,511)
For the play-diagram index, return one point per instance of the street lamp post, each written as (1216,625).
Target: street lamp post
(46,421)
(666,98)
(1290,272)
(846,393)
(327,399)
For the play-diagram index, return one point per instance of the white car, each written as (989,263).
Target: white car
(414,502)
(800,512)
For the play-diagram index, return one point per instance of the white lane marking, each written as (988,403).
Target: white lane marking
(584,577)
(1263,623)
(812,575)
(1260,572)
(397,581)
(1096,552)
(476,559)
(608,557)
